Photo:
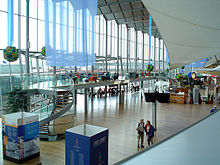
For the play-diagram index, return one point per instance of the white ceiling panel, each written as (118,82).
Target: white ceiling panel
(189,28)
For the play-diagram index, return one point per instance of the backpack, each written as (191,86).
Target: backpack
(152,130)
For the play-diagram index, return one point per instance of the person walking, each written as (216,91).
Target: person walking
(213,110)
(140,131)
(149,129)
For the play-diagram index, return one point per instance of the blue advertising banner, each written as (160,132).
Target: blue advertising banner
(11,133)
(31,131)
(10,22)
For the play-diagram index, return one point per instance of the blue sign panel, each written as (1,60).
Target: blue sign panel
(77,149)
(31,131)
(99,149)
(11,133)
(85,148)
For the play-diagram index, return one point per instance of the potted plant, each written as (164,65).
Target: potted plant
(18,100)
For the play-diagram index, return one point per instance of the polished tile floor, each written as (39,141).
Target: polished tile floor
(121,119)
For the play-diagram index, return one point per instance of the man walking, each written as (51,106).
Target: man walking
(140,130)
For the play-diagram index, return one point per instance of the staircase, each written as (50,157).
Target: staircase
(63,102)
(51,98)
(44,131)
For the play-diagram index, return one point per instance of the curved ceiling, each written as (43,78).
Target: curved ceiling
(189,28)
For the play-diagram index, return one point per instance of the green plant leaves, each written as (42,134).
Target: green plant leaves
(18,100)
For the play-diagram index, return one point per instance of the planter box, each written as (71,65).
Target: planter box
(52,138)
(20,136)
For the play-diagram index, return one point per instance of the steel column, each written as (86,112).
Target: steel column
(128,46)
(27,38)
(99,36)
(75,96)
(154,114)
(118,49)
(121,52)
(85,100)
(19,37)
(106,91)
(42,63)
(163,57)
(136,51)
(106,46)
(159,56)
(37,62)
(110,41)
(143,55)
(154,53)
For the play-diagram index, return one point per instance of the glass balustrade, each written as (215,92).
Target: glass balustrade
(47,85)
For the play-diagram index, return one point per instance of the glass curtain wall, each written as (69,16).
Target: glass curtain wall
(37,41)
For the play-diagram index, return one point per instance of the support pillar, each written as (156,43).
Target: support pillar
(154,53)
(92,93)
(121,95)
(118,49)
(75,97)
(154,114)
(85,100)
(143,57)
(109,66)
(159,56)
(128,47)
(37,63)
(19,38)
(121,60)
(111,39)
(27,38)
(54,70)
(163,57)
(136,50)
(106,91)
(99,53)
(106,47)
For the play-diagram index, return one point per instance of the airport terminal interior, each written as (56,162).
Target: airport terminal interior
(77,77)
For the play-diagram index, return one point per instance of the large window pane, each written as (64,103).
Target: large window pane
(33,7)
(41,35)
(4,5)
(3,31)
(33,34)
